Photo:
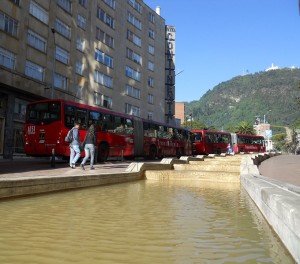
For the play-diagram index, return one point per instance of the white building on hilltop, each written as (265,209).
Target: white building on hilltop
(273,67)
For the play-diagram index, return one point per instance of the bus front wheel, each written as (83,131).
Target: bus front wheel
(103,152)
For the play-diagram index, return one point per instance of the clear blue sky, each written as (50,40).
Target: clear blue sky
(217,40)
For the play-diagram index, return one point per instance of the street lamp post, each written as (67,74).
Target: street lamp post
(190,119)
(53,64)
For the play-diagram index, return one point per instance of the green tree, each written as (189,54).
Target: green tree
(245,128)
(194,124)
(279,141)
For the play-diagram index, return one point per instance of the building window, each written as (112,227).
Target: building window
(150,115)
(150,81)
(65,4)
(132,91)
(134,21)
(83,3)
(81,22)
(132,110)
(134,56)
(7,58)
(107,102)
(20,109)
(79,67)
(36,41)
(150,99)
(78,91)
(8,24)
(105,18)
(111,3)
(62,28)
(104,58)
(133,74)
(151,17)
(97,99)
(103,79)
(62,55)
(16,2)
(38,12)
(60,81)
(136,5)
(34,71)
(102,100)
(104,38)
(150,66)
(80,44)
(151,49)
(134,38)
(151,33)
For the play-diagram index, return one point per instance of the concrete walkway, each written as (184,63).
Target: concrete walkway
(284,168)
(27,167)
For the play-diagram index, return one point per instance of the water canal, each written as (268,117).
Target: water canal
(139,222)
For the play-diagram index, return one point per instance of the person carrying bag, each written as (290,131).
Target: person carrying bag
(74,145)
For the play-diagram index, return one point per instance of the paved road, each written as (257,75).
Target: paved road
(285,168)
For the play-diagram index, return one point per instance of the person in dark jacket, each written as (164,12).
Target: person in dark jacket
(89,147)
(74,146)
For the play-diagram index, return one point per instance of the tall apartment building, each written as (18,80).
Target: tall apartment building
(115,54)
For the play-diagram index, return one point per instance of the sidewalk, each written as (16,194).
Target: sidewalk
(34,167)
(284,168)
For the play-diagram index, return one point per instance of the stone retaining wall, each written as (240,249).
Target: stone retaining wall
(43,184)
(277,202)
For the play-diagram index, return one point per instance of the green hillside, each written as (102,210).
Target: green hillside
(271,94)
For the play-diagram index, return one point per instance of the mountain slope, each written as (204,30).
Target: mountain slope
(270,95)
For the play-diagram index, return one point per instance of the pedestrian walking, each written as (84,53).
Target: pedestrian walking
(74,145)
(229,149)
(235,148)
(89,147)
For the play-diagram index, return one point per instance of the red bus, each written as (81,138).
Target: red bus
(206,142)
(48,122)
(248,143)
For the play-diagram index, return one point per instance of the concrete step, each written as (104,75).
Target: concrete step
(208,167)
(219,161)
(206,176)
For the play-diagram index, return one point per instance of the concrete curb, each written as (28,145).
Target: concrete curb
(278,202)
(43,184)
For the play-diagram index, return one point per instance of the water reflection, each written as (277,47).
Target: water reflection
(140,222)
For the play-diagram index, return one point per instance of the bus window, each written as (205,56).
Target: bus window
(146,129)
(45,113)
(69,115)
(208,138)
(95,118)
(81,118)
(150,130)
(170,133)
(129,126)
(119,126)
(162,132)
(197,137)
(108,121)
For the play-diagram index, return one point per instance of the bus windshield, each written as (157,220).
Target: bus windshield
(196,137)
(43,113)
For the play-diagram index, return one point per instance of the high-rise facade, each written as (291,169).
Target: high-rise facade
(106,53)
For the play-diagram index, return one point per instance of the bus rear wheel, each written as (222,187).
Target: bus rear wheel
(103,152)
